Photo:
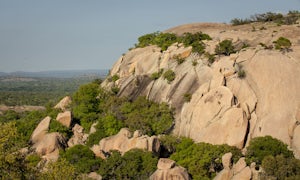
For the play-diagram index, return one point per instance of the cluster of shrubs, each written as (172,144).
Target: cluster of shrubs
(93,104)
(203,160)
(291,18)
(164,40)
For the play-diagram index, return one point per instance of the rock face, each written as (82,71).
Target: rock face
(47,144)
(78,136)
(65,118)
(64,103)
(168,170)
(240,170)
(124,141)
(41,130)
(224,108)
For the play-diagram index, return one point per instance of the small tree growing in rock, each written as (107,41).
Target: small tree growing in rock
(169,75)
(282,43)
(225,47)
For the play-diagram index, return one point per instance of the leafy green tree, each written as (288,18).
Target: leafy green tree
(281,167)
(85,100)
(56,126)
(156,75)
(149,117)
(107,126)
(11,166)
(261,147)
(82,158)
(225,47)
(201,158)
(134,164)
(60,170)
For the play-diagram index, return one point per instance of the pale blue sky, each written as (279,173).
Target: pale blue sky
(38,35)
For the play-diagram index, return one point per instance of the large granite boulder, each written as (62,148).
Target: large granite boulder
(125,141)
(64,103)
(65,118)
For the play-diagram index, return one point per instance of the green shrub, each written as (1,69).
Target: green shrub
(156,75)
(194,63)
(261,147)
(56,126)
(225,47)
(179,60)
(85,101)
(241,74)
(162,40)
(149,117)
(115,89)
(281,167)
(107,126)
(134,164)
(169,75)
(60,169)
(282,43)
(32,160)
(202,160)
(115,77)
(82,158)
(187,97)
(210,57)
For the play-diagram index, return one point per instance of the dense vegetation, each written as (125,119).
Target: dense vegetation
(290,18)
(37,91)
(92,104)
(164,40)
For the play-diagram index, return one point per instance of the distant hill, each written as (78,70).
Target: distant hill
(60,73)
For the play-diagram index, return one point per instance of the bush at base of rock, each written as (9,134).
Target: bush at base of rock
(281,167)
(107,126)
(134,164)
(202,160)
(82,158)
(261,147)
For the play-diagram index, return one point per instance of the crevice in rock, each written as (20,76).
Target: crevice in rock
(175,87)
(247,132)
(235,101)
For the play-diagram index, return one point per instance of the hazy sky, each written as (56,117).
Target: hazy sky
(37,35)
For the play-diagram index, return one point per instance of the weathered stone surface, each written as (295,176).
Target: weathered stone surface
(271,75)
(226,160)
(79,137)
(98,151)
(49,144)
(123,142)
(165,163)
(245,174)
(40,130)
(210,118)
(296,142)
(225,174)
(167,170)
(94,176)
(239,166)
(239,171)
(64,103)
(65,118)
